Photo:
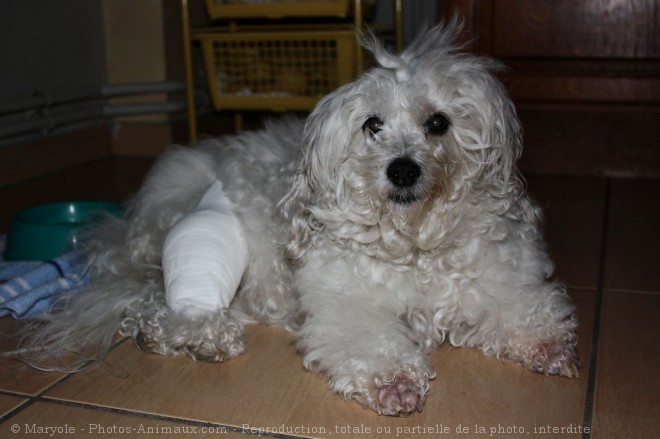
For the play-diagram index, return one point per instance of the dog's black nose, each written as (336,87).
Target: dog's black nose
(403,172)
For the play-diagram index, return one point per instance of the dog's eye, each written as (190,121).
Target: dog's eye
(437,124)
(373,125)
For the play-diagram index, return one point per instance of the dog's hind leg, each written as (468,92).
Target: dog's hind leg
(126,293)
(173,188)
(157,329)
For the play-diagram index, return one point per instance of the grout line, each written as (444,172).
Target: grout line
(17,394)
(595,337)
(31,399)
(628,291)
(16,409)
(40,396)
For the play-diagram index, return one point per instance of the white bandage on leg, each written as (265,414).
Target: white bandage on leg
(204,256)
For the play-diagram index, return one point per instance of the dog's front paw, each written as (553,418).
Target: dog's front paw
(399,393)
(554,358)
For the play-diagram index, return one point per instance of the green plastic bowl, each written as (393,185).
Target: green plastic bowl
(44,232)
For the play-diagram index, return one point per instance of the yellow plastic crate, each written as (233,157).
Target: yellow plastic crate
(274,70)
(223,9)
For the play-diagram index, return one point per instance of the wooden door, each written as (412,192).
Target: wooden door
(585,76)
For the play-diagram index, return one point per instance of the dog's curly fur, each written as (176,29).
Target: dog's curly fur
(400,223)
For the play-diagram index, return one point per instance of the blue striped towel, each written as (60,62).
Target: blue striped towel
(27,289)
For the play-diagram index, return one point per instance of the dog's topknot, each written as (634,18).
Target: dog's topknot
(435,41)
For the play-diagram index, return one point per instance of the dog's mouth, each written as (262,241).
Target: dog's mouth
(403,198)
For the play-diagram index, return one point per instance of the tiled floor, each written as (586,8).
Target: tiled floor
(604,237)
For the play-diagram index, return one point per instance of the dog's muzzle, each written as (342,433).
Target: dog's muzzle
(403,173)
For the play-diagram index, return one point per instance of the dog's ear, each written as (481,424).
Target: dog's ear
(507,138)
(325,142)
(296,206)
(490,138)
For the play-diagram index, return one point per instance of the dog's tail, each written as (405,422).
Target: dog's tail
(80,329)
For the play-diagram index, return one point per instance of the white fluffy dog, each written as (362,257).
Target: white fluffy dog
(389,221)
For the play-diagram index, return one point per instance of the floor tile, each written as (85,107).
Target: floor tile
(205,391)
(9,403)
(618,426)
(267,388)
(573,208)
(55,420)
(627,399)
(15,376)
(633,244)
